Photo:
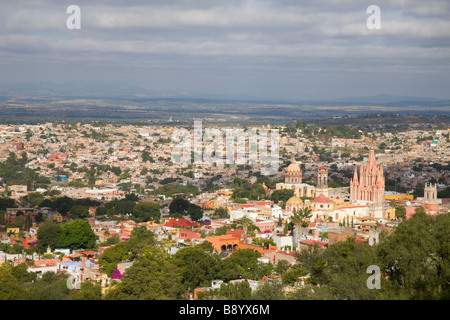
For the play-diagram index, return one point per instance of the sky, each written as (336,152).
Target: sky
(263,49)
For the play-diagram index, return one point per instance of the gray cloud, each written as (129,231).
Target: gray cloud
(267,49)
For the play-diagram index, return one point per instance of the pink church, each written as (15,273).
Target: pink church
(369,186)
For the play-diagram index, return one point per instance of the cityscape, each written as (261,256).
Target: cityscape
(160,181)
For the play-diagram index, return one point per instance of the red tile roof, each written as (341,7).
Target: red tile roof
(322,199)
(89,252)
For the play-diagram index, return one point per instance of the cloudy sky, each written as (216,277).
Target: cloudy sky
(266,49)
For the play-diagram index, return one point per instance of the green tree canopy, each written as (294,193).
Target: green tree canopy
(79,212)
(342,268)
(113,255)
(281,195)
(151,277)
(34,198)
(400,212)
(195,212)
(10,288)
(179,206)
(196,266)
(63,204)
(52,286)
(77,234)
(48,235)
(416,257)
(88,291)
(147,211)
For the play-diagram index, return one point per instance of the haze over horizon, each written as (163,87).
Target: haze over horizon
(267,50)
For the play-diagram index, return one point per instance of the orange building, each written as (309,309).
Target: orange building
(226,243)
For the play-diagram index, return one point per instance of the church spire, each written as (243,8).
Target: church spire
(371,157)
(355,177)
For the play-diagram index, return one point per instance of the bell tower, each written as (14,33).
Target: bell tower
(322,181)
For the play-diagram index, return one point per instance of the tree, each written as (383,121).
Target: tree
(393,203)
(281,195)
(301,217)
(39,217)
(282,266)
(52,286)
(195,212)
(220,212)
(242,263)
(34,198)
(292,276)
(415,257)
(10,288)
(79,212)
(146,157)
(100,211)
(139,240)
(7,203)
(20,273)
(151,277)
(77,234)
(113,255)
(245,222)
(269,291)
(179,206)
(236,291)
(131,197)
(147,211)
(28,223)
(123,206)
(341,268)
(88,291)
(47,235)
(400,212)
(63,204)
(196,267)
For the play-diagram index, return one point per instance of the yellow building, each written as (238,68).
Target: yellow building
(150,223)
(390,214)
(225,193)
(399,197)
(99,182)
(12,230)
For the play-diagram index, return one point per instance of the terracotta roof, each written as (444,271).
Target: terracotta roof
(320,243)
(89,252)
(322,199)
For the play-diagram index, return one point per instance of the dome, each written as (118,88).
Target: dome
(294,200)
(293,167)
(322,199)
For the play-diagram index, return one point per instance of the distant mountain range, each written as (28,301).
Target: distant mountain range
(385,98)
(105,90)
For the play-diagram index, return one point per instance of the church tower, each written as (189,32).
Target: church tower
(430,200)
(322,181)
(430,193)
